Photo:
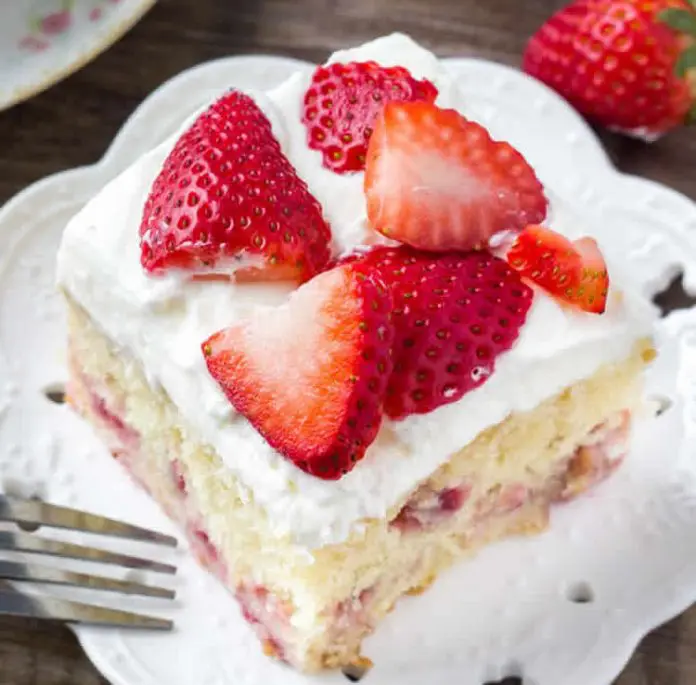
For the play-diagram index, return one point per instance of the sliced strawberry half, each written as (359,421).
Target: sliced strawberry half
(591,294)
(573,272)
(311,375)
(436,181)
(343,102)
(454,314)
(228,201)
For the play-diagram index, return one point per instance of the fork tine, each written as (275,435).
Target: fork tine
(15,603)
(35,513)
(23,542)
(11,570)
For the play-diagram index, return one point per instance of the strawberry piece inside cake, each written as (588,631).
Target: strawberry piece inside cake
(345,337)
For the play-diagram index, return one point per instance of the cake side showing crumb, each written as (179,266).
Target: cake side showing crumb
(312,608)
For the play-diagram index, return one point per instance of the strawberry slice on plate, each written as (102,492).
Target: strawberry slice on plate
(343,102)
(311,375)
(575,273)
(228,202)
(438,182)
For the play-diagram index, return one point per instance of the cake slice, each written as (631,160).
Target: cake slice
(333,414)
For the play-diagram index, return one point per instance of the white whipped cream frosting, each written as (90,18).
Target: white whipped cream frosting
(162,321)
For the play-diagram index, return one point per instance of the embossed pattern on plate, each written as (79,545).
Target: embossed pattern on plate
(510,610)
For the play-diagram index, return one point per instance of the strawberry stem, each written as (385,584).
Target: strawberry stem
(686,61)
(691,116)
(682,21)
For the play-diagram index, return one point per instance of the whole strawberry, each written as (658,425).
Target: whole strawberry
(227,200)
(629,65)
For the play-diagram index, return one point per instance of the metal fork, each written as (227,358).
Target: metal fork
(30,515)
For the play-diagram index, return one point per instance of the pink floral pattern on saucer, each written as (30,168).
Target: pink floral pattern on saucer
(52,23)
(98,11)
(41,41)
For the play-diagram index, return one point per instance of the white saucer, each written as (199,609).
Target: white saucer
(43,41)
(632,543)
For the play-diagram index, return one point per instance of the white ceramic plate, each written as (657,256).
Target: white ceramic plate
(632,543)
(43,41)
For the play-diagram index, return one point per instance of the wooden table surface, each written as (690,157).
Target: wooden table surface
(72,123)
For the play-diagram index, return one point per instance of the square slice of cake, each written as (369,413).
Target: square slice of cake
(339,335)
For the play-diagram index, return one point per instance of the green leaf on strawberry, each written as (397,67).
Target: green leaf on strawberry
(686,62)
(682,21)
(691,116)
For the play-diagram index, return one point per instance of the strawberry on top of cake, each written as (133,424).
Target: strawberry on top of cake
(386,331)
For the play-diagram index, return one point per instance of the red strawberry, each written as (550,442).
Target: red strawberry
(573,272)
(627,64)
(438,182)
(343,101)
(453,315)
(227,192)
(311,375)
(591,294)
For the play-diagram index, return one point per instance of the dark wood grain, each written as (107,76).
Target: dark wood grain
(72,124)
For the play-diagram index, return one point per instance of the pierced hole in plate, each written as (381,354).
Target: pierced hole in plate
(20,490)
(355,672)
(581,593)
(55,392)
(674,296)
(662,404)
(512,675)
